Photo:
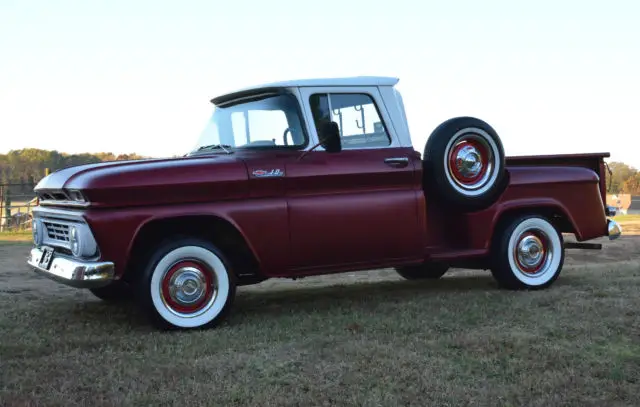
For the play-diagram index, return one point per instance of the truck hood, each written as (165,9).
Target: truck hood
(151,182)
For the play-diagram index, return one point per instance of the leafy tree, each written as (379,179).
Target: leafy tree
(28,165)
(620,173)
(632,185)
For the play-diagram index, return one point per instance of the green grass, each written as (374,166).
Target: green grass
(456,341)
(15,237)
(627,218)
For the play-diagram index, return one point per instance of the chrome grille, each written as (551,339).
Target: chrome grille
(57,231)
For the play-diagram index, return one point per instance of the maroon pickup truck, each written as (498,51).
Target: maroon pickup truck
(313,177)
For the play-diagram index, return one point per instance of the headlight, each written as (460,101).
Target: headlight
(74,241)
(36,232)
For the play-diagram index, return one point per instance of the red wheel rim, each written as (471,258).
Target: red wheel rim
(531,252)
(469,161)
(188,287)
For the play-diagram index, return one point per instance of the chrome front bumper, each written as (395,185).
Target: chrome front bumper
(613,229)
(73,272)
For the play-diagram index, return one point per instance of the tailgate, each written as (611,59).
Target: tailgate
(593,161)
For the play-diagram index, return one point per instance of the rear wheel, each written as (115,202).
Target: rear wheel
(464,163)
(186,283)
(528,253)
(423,271)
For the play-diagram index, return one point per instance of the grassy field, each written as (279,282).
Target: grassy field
(627,218)
(15,237)
(365,339)
(630,224)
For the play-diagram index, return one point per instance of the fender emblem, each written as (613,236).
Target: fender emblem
(271,173)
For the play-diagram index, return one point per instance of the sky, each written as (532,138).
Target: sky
(137,76)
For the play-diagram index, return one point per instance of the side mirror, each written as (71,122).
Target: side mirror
(330,137)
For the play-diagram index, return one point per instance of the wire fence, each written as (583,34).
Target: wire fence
(17,201)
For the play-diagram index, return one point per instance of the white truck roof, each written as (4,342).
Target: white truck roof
(342,81)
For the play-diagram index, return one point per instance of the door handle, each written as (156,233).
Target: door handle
(398,162)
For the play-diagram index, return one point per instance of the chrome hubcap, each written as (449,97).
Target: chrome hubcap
(531,252)
(187,286)
(469,161)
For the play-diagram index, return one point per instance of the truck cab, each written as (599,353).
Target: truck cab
(353,184)
(312,177)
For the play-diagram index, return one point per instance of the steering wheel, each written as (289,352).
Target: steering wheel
(284,136)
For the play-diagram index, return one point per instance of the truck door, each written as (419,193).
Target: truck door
(360,205)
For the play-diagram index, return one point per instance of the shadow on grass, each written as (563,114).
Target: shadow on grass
(380,290)
(251,305)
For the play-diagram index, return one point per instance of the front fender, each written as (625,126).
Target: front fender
(262,224)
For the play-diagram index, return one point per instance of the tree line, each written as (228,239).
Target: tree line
(624,179)
(27,166)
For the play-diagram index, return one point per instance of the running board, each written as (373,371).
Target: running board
(587,246)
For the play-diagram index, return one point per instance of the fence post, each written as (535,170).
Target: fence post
(7,205)
(1,206)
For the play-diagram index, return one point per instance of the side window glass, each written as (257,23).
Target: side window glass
(239,125)
(357,117)
(267,126)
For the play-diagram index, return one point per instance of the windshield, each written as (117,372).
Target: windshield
(270,122)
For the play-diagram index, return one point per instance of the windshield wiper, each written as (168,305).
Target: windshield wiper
(215,147)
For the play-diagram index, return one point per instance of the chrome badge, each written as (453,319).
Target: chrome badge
(271,173)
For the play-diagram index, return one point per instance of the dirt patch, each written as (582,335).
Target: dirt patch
(631,227)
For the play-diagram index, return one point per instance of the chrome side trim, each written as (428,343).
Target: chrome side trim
(397,160)
(613,229)
(69,204)
(74,272)
(59,213)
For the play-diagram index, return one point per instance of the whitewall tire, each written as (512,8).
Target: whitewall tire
(187,284)
(472,162)
(527,253)
(464,164)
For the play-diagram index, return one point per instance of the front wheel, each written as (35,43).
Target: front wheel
(527,253)
(186,283)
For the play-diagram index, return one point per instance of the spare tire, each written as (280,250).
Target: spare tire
(464,164)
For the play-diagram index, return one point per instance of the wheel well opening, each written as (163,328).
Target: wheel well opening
(211,228)
(554,215)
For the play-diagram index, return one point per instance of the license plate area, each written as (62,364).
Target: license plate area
(47,257)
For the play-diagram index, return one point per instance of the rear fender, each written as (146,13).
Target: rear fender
(570,197)
(547,207)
